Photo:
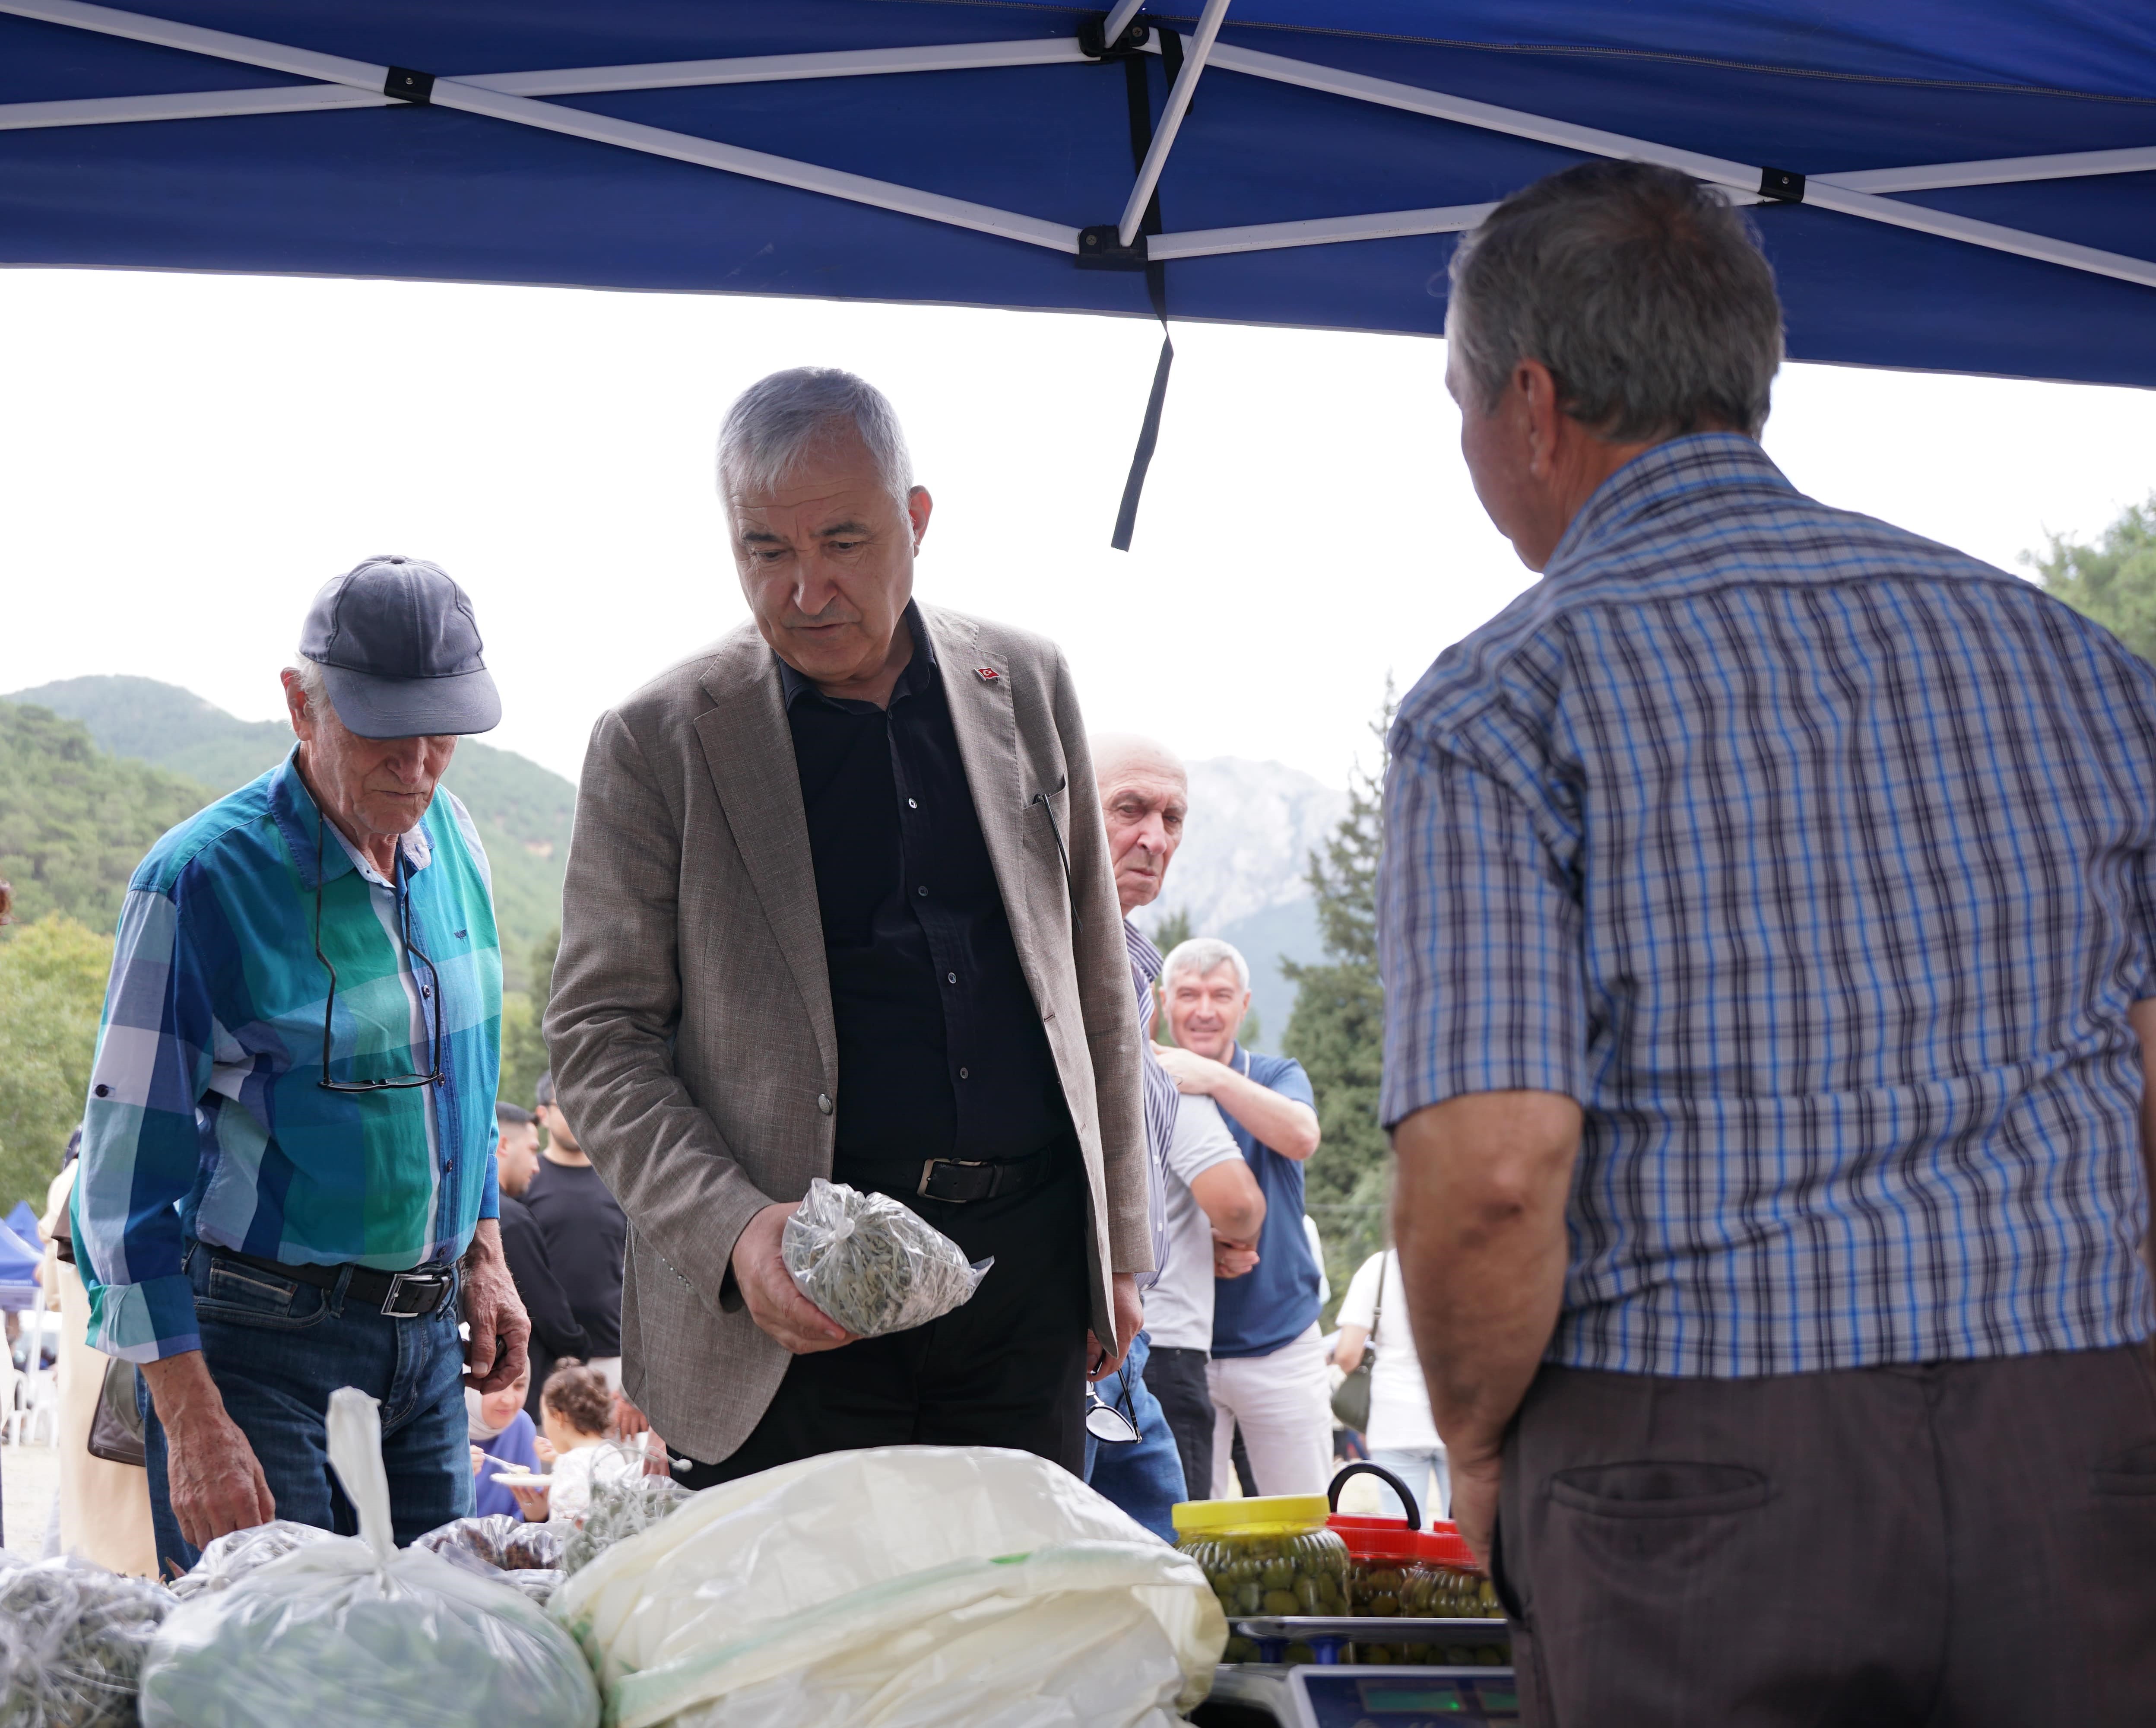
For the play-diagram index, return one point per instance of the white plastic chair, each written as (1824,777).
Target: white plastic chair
(37,1389)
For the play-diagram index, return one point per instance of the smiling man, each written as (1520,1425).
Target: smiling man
(288,1172)
(839,905)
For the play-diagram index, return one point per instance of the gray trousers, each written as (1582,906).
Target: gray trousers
(1956,1543)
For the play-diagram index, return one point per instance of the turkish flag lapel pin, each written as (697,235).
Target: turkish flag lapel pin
(986,674)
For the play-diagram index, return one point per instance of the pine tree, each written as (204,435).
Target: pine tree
(1337,1032)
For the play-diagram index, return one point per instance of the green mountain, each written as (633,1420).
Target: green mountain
(194,748)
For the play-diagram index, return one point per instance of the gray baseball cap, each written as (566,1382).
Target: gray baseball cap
(399,650)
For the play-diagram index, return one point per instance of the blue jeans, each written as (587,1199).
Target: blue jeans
(1145,1478)
(277,1349)
(1417,1467)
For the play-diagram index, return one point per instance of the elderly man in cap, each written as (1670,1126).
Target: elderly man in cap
(288,1176)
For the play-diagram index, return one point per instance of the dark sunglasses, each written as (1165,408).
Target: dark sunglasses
(431,991)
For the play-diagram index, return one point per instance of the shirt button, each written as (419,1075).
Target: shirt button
(923,893)
(823,1102)
(965,1073)
(426,989)
(910,805)
(102,1091)
(950,978)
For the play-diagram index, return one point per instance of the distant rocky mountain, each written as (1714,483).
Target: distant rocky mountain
(523,811)
(1239,873)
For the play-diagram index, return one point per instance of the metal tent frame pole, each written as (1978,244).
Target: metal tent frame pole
(516,97)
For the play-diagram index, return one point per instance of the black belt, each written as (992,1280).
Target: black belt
(400,1295)
(959,1181)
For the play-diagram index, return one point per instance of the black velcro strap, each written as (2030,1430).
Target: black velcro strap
(1140,104)
(1780,185)
(417,88)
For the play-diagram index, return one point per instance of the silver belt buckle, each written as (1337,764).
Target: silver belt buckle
(392,1303)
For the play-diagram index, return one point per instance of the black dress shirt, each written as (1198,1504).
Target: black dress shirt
(940,1050)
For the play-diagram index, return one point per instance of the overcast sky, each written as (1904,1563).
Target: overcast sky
(184,460)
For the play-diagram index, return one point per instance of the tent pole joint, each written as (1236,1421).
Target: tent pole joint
(407,85)
(1093,44)
(1101,247)
(1781,187)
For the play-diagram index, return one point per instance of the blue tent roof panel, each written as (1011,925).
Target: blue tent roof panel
(438,193)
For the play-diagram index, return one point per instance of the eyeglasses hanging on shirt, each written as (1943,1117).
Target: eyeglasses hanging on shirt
(431,991)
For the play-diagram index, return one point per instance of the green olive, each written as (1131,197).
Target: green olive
(1281,1602)
(1249,1597)
(1279,1575)
(1239,1649)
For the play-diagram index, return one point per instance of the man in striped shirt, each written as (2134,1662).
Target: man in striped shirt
(288,1175)
(1199,1189)
(1768,920)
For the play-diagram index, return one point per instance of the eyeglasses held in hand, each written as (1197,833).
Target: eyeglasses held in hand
(431,991)
(1112,1424)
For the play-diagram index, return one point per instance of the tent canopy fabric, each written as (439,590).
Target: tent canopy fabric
(1922,213)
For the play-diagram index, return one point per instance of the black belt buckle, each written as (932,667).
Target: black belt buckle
(426,1290)
(979,1183)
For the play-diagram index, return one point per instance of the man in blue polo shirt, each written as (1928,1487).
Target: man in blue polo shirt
(1268,1367)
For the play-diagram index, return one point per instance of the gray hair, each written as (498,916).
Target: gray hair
(779,419)
(1203,954)
(307,674)
(1642,290)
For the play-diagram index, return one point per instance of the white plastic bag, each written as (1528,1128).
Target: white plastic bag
(230,1558)
(348,1629)
(873,1264)
(958,1587)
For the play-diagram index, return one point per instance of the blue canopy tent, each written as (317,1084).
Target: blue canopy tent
(1964,185)
(18,1262)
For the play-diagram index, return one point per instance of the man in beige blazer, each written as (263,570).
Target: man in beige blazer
(839,905)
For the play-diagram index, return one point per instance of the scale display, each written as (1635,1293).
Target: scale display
(1403,1697)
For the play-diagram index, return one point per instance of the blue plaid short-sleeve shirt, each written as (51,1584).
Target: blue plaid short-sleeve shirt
(1813,859)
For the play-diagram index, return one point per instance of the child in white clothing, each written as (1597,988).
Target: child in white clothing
(576,1408)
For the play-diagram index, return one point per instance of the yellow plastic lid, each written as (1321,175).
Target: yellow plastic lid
(1276,1516)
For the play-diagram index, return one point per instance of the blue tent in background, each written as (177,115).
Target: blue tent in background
(19,1260)
(1967,185)
(23,1222)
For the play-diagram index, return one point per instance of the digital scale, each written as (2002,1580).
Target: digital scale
(1332,1694)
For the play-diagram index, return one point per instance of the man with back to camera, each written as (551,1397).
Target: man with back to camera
(839,905)
(555,1332)
(586,1236)
(1768,918)
(1266,1371)
(288,1175)
(1201,1193)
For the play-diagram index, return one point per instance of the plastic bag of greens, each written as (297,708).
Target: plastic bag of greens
(619,1509)
(872,1264)
(72,1640)
(351,1630)
(504,1544)
(232,1558)
(957,1586)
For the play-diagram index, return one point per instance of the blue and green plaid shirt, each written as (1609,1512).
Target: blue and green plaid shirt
(1818,862)
(204,1116)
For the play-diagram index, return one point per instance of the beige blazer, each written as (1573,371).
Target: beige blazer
(691,1025)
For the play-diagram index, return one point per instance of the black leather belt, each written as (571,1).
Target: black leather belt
(956,1179)
(400,1295)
